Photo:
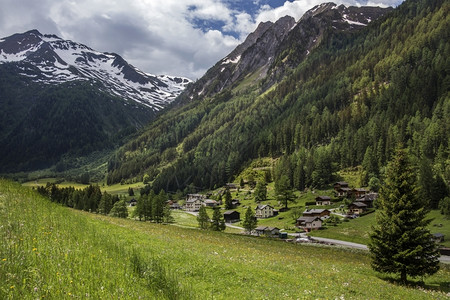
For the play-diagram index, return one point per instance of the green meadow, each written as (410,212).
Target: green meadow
(52,252)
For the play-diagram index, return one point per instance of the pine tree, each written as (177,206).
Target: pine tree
(260,191)
(203,218)
(400,242)
(119,209)
(228,200)
(283,191)
(250,221)
(167,215)
(217,222)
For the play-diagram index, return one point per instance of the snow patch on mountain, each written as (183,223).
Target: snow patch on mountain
(60,61)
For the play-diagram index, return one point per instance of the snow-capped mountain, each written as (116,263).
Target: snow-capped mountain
(49,59)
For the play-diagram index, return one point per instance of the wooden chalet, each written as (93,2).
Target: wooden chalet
(309,223)
(323,200)
(210,203)
(316,213)
(340,184)
(358,192)
(356,208)
(267,231)
(231,216)
(368,199)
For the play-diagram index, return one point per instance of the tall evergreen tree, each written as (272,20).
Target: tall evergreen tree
(228,200)
(250,221)
(203,218)
(283,190)
(119,209)
(400,242)
(217,222)
(260,191)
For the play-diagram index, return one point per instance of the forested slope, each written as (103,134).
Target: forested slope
(350,102)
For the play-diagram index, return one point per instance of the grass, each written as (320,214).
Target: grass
(115,189)
(48,251)
(357,230)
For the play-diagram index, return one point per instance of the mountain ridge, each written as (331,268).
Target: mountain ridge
(347,103)
(262,50)
(51,60)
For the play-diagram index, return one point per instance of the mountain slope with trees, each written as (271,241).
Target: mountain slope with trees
(351,101)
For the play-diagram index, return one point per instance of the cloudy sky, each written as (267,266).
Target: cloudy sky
(175,37)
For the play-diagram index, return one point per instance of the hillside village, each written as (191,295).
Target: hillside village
(314,216)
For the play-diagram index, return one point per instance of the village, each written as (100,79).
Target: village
(273,220)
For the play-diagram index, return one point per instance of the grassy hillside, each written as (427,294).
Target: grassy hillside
(358,230)
(47,251)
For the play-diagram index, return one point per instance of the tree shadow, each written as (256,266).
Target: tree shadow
(431,284)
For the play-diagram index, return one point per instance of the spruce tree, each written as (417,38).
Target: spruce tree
(228,200)
(217,222)
(260,191)
(283,191)
(203,218)
(400,242)
(249,220)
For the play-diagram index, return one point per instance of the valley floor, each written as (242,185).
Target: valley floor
(54,252)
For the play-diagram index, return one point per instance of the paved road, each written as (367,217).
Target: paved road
(443,258)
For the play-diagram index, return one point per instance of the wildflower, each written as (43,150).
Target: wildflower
(34,249)
(4,259)
(12,287)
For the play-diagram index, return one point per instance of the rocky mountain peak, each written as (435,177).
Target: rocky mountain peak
(48,59)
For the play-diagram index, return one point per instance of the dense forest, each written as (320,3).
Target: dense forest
(41,124)
(351,102)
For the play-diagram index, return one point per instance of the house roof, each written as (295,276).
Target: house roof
(192,200)
(261,228)
(360,190)
(210,201)
(438,235)
(263,206)
(272,228)
(307,219)
(358,204)
(323,198)
(341,183)
(230,212)
(314,211)
(368,197)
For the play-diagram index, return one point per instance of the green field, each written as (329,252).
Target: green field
(49,251)
(357,230)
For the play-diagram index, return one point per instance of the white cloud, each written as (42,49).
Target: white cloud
(157,36)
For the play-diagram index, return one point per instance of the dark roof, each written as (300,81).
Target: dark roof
(323,198)
(307,219)
(230,212)
(358,204)
(438,235)
(261,228)
(272,228)
(341,183)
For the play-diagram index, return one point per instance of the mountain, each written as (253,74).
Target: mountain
(343,95)
(273,47)
(49,59)
(61,100)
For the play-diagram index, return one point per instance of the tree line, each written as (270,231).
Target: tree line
(88,199)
